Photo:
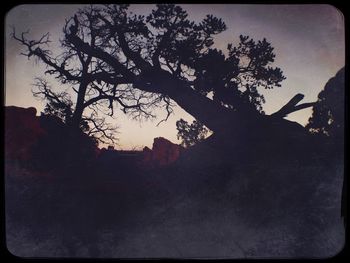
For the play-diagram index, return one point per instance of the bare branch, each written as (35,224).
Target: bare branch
(169,109)
(292,106)
(100,130)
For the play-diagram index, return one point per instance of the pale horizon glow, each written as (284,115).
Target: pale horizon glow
(309,42)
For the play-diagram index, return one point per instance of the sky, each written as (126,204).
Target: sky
(309,44)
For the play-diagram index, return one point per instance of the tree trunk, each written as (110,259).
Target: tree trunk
(243,122)
(243,131)
(215,116)
(79,108)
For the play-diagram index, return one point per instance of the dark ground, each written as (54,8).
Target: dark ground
(206,205)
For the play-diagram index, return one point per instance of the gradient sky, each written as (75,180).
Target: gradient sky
(308,40)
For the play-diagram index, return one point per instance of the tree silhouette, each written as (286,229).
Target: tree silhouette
(190,133)
(87,77)
(144,62)
(328,113)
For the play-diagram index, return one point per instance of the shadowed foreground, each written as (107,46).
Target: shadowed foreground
(207,204)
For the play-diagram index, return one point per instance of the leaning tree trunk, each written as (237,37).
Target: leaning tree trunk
(221,120)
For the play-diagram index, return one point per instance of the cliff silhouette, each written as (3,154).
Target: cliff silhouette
(30,138)
(22,131)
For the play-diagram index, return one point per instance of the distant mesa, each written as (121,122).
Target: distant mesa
(163,153)
(23,130)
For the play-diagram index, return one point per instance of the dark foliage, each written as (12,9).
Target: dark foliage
(190,134)
(328,114)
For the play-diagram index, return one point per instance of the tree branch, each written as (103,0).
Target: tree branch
(100,54)
(292,106)
(42,54)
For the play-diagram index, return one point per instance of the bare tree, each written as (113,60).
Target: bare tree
(96,88)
